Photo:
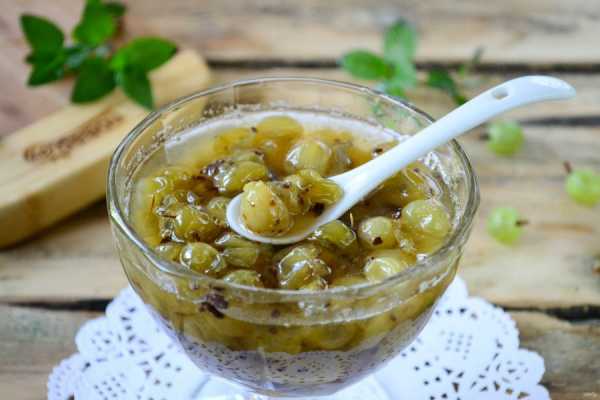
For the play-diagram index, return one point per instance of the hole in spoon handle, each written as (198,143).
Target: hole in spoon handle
(500,93)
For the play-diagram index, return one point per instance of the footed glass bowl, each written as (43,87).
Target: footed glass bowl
(283,342)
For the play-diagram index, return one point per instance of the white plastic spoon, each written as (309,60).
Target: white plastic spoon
(360,181)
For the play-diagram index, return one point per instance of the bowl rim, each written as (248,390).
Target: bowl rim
(457,238)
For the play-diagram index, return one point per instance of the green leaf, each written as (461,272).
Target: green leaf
(115,8)
(144,54)
(44,37)
(400,43)
(39,58)
(136,85)
(95,80)
(365,65)
(442,80)
(47,70)
(97,24)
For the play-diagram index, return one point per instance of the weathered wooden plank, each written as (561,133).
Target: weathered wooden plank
(72,261)
(570,353)
(582,108)
(436,104)
(511,31)
(552,266)
(257,30)
(33,341)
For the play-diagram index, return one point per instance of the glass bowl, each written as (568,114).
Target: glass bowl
(283,342)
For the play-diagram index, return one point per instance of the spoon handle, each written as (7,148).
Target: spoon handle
(501,98)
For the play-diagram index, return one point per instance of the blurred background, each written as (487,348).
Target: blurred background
(549,280)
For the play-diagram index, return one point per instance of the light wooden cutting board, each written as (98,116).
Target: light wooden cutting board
(58,165)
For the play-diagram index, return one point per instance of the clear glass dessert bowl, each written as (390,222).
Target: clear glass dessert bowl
(288,342)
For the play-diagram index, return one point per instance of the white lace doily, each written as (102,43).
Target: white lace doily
(469,350)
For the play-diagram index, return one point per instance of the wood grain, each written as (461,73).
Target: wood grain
(570,351)
(511,31)
(32,342)
(435,103)
(515,32)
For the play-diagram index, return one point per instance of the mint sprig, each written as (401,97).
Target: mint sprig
(95,80)
(91,57)
(395,69)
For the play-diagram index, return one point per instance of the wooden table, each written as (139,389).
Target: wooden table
(550,281)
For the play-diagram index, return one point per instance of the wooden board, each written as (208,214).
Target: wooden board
(512,31)
(570,353)
(32,342)
(576,112)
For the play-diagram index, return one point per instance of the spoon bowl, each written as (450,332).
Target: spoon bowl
(359,182)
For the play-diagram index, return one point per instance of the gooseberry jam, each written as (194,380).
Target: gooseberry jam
(281,161)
